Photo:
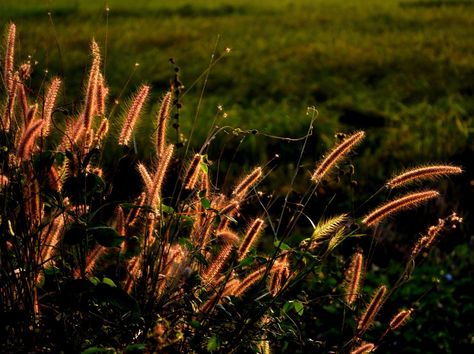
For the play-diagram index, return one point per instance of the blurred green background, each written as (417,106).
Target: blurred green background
(401,70)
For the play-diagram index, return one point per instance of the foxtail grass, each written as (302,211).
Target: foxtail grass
(337,154)
(372,309)
(176,271)
(424,172)
(405,202)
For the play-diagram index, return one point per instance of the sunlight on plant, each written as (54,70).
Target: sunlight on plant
(156,256)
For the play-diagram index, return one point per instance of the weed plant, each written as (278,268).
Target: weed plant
(155,256)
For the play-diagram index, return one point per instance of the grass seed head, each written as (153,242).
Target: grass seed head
(405,202)
(337,154)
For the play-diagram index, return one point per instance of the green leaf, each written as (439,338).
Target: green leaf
(230,218)
(206,204)
(94,183)
(106,236)
(94,280)
(185,243)
(204,167)
(186,220)
(166,209)
(90,154)
(109,282)
(281,245)
(247,260)
(213,344)
(287,306)
(195,324)
(299,307)
(52,271)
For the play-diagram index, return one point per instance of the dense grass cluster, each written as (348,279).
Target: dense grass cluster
(155,256)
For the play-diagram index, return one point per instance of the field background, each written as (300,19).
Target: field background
(401,70)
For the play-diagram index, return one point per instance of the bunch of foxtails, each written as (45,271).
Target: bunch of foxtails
(174,268)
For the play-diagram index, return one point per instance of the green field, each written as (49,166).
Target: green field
(403,71)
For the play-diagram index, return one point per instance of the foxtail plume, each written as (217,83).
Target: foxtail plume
(163,116)
(425,172)
(336,155)
(90,105)
(158,178)
(133,114)
(192,173)
(250,237)
(9,58)
(354,278)
(27,141)
(400,319)
(49,101)
(398,204)
(242,188)
(372,309)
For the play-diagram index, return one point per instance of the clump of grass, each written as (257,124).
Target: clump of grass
(89,261)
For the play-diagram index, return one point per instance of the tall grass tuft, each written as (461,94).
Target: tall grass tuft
(145,257)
